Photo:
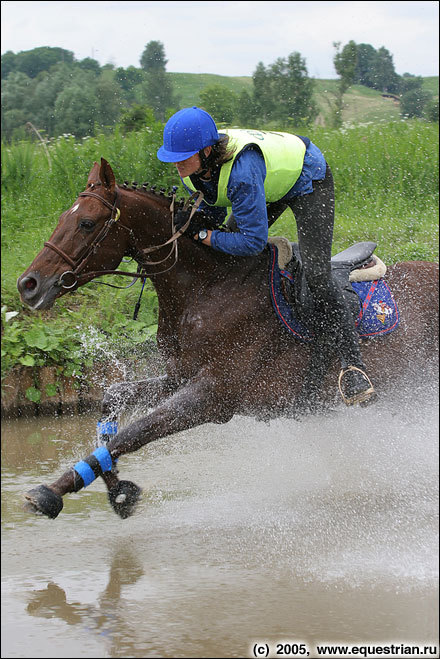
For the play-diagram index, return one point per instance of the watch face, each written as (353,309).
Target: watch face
(203,234)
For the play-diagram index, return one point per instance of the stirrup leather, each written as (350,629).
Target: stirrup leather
(362,396)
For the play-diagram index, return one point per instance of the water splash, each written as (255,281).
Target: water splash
(351,497)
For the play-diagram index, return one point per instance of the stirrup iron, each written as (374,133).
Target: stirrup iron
(363,396)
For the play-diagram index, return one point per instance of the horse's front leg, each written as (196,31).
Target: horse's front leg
(199,401)
(117,399)
(124,395)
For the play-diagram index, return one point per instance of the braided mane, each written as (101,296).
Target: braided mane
(152,189)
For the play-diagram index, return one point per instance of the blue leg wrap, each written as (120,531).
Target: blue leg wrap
(105,431)
(86,471)
(107,428)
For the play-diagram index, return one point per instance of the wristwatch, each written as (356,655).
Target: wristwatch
(202,234)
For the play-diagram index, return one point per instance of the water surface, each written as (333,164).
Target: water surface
(319,531)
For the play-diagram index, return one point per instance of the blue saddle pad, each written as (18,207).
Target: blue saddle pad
(378,311)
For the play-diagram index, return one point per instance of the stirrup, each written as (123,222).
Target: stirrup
(365,396)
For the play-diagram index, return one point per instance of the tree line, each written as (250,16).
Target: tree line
(49,89)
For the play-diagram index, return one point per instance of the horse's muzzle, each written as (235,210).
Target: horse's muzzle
(38,292)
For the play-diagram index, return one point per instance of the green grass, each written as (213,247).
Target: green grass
(430,83)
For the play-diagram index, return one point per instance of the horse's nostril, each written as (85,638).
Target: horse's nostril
(30,284)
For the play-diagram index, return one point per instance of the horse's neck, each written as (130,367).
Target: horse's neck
(178,267)
(180,276)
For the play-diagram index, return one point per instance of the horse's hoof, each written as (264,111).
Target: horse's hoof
(43,501)
(124,497)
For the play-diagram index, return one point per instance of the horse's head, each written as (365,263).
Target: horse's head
(87,239)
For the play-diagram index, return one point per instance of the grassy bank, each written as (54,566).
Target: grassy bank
(386,177)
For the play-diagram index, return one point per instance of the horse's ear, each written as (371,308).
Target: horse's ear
(94,174)
(106,175)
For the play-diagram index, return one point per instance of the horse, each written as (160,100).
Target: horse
(225,352)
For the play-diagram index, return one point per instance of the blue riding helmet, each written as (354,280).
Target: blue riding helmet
(186,133)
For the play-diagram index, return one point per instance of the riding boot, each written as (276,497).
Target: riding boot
(354,384)
(335,335)
(309,398)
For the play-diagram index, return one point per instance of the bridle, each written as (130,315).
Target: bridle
(78,266)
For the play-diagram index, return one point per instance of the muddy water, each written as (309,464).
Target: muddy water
(323,531)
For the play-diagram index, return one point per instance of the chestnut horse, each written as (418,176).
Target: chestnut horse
(224,349)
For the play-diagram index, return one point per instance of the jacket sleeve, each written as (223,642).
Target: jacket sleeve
(248,200)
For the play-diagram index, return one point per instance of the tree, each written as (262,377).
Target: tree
(130,81)
(245,108)
(108,99)
(157,89)
(262,93)
(291,91)
(410,82)
(431,110)
(13,123)
(48,85)
(76,110)
(128,78)
(43,102)
(220,102)
(153,57)
(89,64)
(375,69)
(283,92)
(383,75)
(17,91)
(364,65)
(413,102)
(136,117)
(32,62)
(345,63)
(8,63)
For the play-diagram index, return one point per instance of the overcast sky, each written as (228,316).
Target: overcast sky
(227,38)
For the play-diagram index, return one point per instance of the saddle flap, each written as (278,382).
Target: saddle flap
(355,254)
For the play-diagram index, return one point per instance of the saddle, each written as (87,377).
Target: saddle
(360,274)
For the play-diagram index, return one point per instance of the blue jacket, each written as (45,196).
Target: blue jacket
(246,192)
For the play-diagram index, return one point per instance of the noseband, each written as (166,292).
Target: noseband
(79,265)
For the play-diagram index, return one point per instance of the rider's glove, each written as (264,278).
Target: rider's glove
(197,223)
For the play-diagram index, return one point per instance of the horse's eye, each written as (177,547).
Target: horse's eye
(87,225)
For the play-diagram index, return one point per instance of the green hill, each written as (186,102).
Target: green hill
(188,86)
(361,103)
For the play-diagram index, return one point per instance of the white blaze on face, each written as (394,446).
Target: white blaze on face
(75,208)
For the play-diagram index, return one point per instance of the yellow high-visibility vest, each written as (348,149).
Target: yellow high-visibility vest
(283,154)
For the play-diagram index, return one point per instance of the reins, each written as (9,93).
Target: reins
(79,265)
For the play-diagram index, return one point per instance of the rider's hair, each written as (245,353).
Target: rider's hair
(221,152)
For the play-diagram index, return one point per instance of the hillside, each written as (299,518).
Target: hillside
(362,103)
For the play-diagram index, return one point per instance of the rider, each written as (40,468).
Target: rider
(258,174)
